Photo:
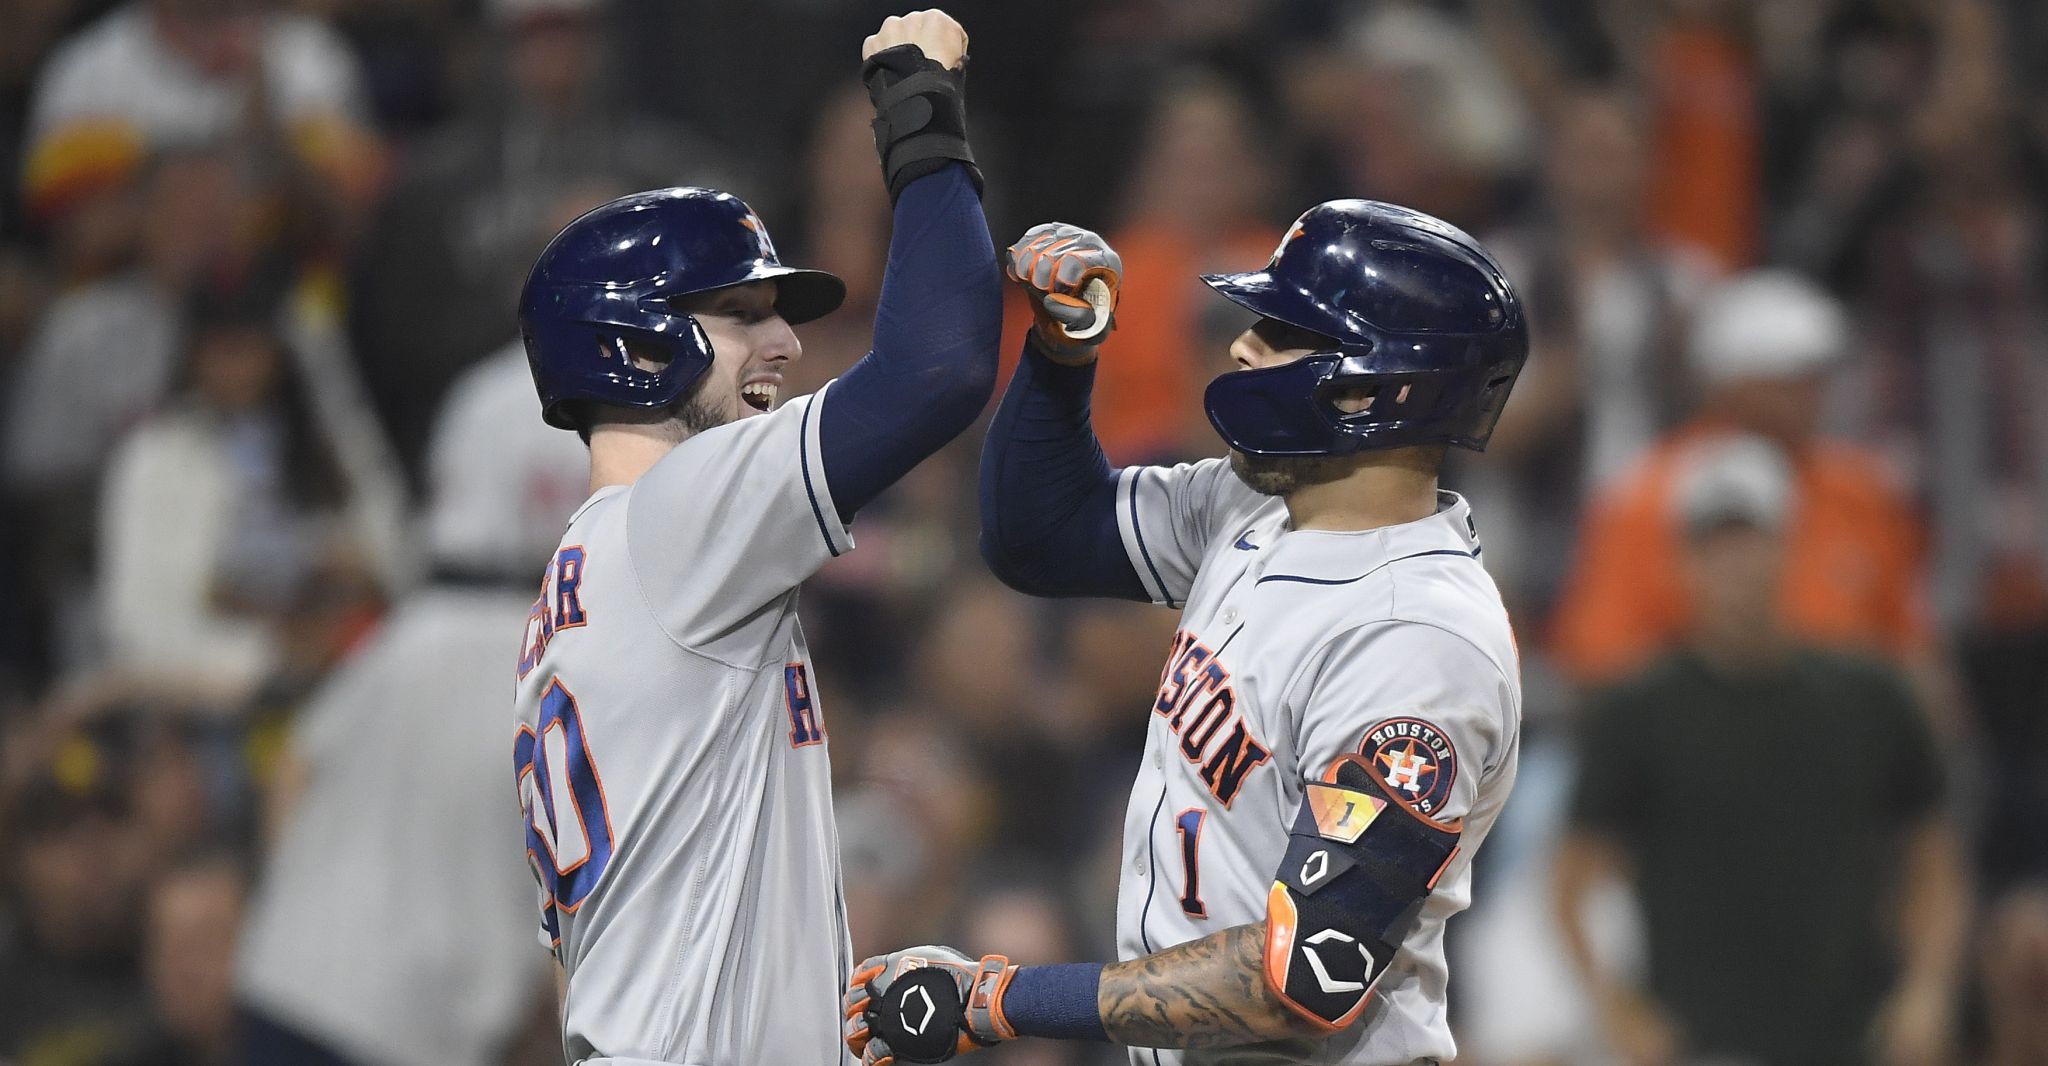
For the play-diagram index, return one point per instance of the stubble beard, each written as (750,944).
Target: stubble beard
(694,416)
(688,417)
(1279,475)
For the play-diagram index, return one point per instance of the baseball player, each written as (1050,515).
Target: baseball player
(671,749)
(1337,722)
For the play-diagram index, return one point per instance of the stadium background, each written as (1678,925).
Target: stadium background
(231,308)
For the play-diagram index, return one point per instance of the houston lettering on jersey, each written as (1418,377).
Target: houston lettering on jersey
(559,607)
(1198,703)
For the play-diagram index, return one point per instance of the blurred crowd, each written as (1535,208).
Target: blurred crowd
(1769,508)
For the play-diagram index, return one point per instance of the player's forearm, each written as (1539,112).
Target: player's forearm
(938,333)
(1048,494)
(1206,993)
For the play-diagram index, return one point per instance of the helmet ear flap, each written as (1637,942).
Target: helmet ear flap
(652,364)
(672,354)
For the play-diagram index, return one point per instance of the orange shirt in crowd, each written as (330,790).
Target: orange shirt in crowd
(1704,174)
(1148,386)
(1852,567)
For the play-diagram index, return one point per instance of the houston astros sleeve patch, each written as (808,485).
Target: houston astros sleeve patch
(1414,759)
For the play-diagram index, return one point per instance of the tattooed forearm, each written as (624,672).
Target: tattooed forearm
(1205,993)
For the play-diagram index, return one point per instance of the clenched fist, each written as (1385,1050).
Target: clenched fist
(935,33)
(1074,277)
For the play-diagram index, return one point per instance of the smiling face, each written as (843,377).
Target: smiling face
(751,345)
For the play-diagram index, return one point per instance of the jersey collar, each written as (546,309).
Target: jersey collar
(1323,557)
(603,493)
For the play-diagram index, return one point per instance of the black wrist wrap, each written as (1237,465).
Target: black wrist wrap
(920,115)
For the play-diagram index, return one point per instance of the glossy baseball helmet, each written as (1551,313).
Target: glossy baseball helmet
(1424,337)
(607,282)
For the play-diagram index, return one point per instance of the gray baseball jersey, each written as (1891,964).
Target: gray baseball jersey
(1295,648)
(671,759)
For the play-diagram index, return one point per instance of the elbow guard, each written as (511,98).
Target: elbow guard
(1359,865)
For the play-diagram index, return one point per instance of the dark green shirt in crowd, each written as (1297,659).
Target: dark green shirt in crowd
(1765,817)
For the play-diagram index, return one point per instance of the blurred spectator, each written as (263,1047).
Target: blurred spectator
(33,26)
(216,512)
(439,279)
(163,73)
(1769,801)
(1947,259)
(1706,159)
(188,781)
(1608,374)
(1408,107)
(62,421)
(412,53)
(193,916)
(69,994)
(1845,124)
(397,775)
(2013,966)
(1960,305)
(1199,201)
(101,359)
(1761,347)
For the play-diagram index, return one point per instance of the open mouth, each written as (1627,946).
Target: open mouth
(759,395)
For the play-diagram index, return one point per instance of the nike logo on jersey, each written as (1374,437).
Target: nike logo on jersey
(1244,543)
(1199,704)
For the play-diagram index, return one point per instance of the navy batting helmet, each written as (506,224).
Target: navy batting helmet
(608,279)
(1424,332)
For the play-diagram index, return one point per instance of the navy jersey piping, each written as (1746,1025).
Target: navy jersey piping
(803,455)
(1138,531)
(1151,867)
(1473,554)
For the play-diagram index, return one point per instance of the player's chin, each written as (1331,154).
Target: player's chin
(1278,475)
(1261,474)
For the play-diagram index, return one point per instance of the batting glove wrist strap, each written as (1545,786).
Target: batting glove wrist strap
(920,115)
(926,1004)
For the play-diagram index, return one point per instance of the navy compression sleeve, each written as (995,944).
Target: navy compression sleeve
(938,332)
(1048,494)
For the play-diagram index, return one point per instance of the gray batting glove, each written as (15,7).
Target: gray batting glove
(1074,277)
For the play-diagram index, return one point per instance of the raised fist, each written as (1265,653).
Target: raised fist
(934,32)
(1074,277)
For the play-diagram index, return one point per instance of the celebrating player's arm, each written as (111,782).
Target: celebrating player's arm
(1380,820)
(1057,519)
(805,468)
(939,323)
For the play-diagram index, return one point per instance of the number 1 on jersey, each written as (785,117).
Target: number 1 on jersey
(1189,825)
